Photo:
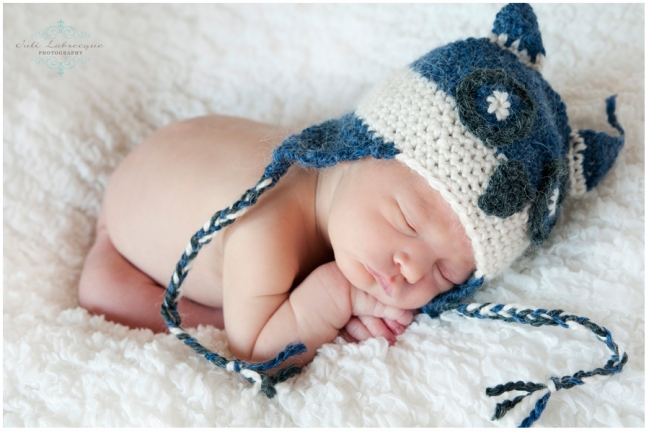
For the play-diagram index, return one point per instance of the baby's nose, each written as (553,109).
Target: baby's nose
(411,269)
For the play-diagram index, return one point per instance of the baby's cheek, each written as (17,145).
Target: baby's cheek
(353,271)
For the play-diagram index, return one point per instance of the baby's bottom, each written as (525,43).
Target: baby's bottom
(111,286)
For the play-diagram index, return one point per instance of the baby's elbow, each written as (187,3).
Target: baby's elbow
(241,352)
(245,347)
(266,347)
(262,353)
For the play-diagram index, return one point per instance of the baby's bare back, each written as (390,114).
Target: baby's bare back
(166,189)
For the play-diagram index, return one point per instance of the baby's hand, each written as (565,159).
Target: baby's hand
(364,304)
(364,327)
(372,318)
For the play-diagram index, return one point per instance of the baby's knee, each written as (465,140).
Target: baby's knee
(89,289)
(86,295)
(97,274)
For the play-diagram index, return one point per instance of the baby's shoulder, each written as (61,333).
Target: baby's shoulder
(274,241)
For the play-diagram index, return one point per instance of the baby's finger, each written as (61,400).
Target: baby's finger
(377,327)
(343,333)
(357,330)
(394,326)
(402,316)
(364,304)
(406,318)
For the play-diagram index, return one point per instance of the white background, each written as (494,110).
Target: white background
(293,66)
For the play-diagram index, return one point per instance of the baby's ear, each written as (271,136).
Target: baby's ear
(592,154)
(515,29)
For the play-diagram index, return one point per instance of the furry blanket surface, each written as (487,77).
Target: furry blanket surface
(296,65)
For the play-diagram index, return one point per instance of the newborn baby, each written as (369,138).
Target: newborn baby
(355,247)
(443,175)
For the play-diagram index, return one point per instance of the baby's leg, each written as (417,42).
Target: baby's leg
(111,286)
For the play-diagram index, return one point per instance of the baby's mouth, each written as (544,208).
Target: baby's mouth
(381,281)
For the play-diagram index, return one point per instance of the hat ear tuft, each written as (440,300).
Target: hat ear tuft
(516,30)
(592,153)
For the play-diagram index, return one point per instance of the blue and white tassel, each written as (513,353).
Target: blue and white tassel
(318,146)
(253,372)
(536,318)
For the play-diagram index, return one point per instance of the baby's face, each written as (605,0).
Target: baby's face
(394,236)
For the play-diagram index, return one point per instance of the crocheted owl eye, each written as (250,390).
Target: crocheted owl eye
(495,107)
(500,111)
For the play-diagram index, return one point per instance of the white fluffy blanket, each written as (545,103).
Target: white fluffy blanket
(293,66)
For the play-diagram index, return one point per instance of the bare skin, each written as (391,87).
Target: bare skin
(354,248)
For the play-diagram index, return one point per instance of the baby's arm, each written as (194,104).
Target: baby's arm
(262,317)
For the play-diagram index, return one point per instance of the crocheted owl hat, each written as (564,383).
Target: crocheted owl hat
(479,122)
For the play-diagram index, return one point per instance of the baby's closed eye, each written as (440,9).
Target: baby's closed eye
(404,223)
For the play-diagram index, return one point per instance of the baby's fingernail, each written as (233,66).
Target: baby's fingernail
(395,327)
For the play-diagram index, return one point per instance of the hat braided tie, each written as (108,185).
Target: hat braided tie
(537,318)
(318,146)
(252,372)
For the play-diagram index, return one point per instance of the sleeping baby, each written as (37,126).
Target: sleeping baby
(356,246)
(444,175)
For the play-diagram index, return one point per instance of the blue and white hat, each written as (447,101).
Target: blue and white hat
(479,122)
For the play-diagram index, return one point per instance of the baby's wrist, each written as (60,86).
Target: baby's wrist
(324,298)
(340,291)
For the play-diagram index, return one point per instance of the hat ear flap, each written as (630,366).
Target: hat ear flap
(516,30)
(592,153)
(446,300)
(328,143)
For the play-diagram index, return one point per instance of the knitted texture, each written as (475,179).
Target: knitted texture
(508,192)
(477,120)
(491,136)
(513,106)
(422,122)
(537,318)
(516,29)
